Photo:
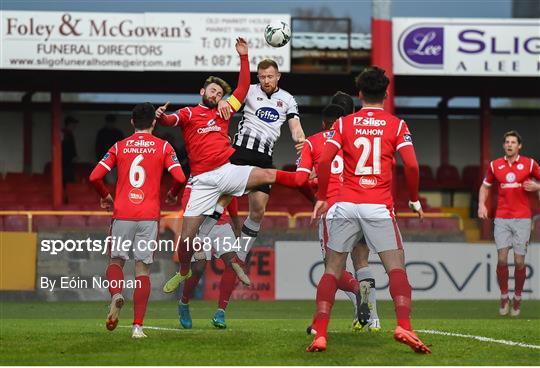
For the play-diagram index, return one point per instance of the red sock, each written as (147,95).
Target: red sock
(140,299)
(519,278)
(502,278)
(400,290)
(226,286)
(326,295)
(185,252)
(115,275)
(189,287)
(286,178)
(347,282)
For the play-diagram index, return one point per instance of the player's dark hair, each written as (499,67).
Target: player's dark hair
(267,63)
(331,113)
(512,133)
(344,100)
(220,82)
(143,115)
(372,82)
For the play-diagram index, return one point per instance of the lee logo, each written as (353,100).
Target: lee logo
(368,182)
(136,196)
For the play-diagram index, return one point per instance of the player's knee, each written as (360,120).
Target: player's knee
(256,214)
(502,263)
(519,263)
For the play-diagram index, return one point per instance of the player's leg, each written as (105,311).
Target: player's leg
(382,235)
(503,240)
(124,230)
(522,233)
(360,255)
(144,246)
(198,265)
(225,237)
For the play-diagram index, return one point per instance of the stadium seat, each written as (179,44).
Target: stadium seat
(414,224)
(275,222)
(73,222)
(15,223)
(427,181)
(41,223)
(99,222)
(448,177)
(447,224)
(472,177)
(17,179)
(82,171)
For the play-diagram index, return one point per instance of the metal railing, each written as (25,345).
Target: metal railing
(292,219)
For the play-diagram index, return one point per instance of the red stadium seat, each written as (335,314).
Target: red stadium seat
(41,223)
(275,222)
(472,177)
(427,181)
(99,222)
(416,225)
(447,224)
(73,222)
(448,177)
(15,223)
(18,178)
(82,171)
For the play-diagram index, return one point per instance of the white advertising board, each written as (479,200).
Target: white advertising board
(466,47)
(435,271)
(135,41)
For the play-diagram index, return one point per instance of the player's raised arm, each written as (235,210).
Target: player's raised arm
(239,94)
(173,119)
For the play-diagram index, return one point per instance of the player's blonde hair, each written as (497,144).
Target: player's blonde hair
(220,82)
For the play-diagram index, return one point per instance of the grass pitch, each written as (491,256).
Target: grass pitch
(261,333)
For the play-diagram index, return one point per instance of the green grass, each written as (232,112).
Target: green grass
(259,333)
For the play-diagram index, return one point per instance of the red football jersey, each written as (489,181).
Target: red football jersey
(140,159)
(513,200)
(310,158)
(369,139)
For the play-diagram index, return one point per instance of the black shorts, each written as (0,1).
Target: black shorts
(244,156)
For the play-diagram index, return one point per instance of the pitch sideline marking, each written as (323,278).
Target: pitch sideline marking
(480,338)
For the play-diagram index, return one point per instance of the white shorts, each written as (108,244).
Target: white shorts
(351,221)
(220,241)
(209,186)
(140,234)
(513,233)
(323,229)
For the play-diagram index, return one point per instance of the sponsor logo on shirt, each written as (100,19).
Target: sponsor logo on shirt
(267,114)
(139,143)
(368,182)
(211,122)
(210,127)
(500,167)
(510,185)
(136,196)
(510,177)
(369,121)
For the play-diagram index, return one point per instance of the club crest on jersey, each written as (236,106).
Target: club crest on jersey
(358,120)
(368,182)
(267,114)
(520,166)
(106,156)
(510,177)
(329,134)
(279,103)
(136,196)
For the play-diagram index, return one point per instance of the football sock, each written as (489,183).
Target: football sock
(352,297)
(189,287)
(210,221)
(348,283)
(250,231)
(400,290)
(226,286)
(115,275)
(519,278)
(326,295)
(502,279)
(286,178)
(140,299)
(365,274)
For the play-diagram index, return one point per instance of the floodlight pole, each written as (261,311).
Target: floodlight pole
(381,45)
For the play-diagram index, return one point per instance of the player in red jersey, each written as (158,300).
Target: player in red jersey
(361,291)
(140,159)
(513,174)
(208,147)
(369,139)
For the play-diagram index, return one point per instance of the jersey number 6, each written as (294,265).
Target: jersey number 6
(136,172)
